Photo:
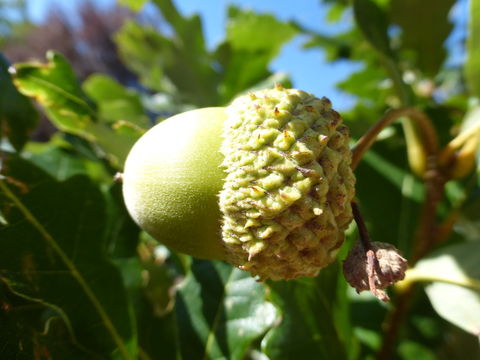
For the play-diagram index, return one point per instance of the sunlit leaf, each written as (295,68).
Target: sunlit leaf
(472,64)
(252,32)
(114,101)
(146,53)
(17,116)
(455,284)
(166,65)
(252,42)
(56,88)
(135,5)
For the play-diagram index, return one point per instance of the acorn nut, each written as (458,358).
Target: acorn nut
(264,183)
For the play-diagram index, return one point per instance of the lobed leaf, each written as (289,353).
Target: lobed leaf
(252,42)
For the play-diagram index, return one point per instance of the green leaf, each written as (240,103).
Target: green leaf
(335,48)
(145,52)
(424,33)
(53,253)
(122,234)
(373,22)
(221,311)
(367,83)
(178,64)
(335,12)
(252,42)
(242,70)
(308,329)
(410,350)
(187,30)
(455,284)
(24,335)
(383,179)
(61,161)
(168,64)
(151,280)
(472,63)
(254,32)
(135,5)
(468,225)
(17,116)
(115,102)
(55,86)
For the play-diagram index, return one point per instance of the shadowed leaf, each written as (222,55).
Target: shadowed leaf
(221,310)
(308,328)
(373,23)
(53,253)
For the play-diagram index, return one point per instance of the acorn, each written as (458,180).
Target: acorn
(264,183)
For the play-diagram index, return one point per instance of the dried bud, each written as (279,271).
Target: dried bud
(375,268)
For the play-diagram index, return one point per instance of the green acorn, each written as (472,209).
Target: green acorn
(264,183)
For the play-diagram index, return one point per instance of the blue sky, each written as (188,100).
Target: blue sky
(308,68)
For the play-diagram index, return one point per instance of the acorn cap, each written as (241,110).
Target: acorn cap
(286,196)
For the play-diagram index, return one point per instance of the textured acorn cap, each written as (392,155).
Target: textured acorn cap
(288,187)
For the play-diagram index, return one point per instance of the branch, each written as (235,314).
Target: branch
(429,136)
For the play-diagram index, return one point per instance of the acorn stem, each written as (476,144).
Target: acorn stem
(371,258)
(429,135)
(362,228)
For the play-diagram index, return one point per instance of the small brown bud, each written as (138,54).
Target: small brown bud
(375,268)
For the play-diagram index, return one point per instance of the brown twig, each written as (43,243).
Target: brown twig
(430,139)
(426,238)
(427,229)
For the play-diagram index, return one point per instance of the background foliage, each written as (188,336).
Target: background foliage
(79,280)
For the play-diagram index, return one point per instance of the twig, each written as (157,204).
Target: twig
(425,239)
(430,139)
(427,230)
